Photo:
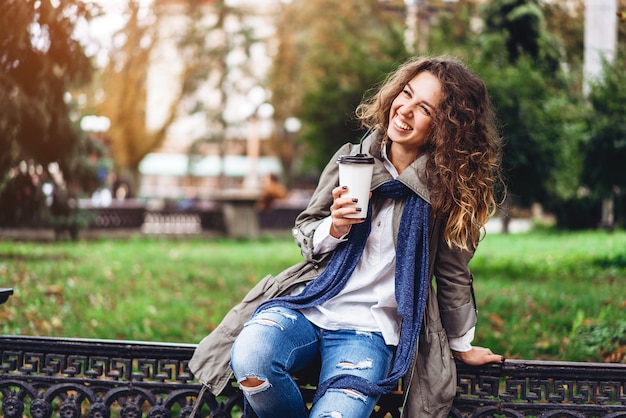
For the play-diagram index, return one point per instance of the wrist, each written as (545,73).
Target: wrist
(335,233)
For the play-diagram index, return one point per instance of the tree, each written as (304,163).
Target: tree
(121,85)
(206,48)
(534,102)
(336,51)
(605,151)
(202,43)
(283,83)
(621,14)
(453,28)
(522,23)
(567,21)
(40,59)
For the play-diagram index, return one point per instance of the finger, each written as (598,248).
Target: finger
(494,358)
(344,206)
(339,216)
(344,201)
(338,191)
(489,356)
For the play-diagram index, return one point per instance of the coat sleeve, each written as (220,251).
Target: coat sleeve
(210,363)
(454,289)
(318,207)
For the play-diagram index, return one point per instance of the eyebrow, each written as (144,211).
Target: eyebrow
(408,85)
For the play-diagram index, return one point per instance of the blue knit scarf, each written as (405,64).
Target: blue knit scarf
(411,285)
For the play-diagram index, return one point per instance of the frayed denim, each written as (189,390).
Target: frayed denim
(279,341)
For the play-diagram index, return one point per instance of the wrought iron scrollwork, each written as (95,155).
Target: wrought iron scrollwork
(45,377)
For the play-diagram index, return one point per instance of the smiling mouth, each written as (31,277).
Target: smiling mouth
(401,125)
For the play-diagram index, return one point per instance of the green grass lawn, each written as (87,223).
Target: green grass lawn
(550,295)
(541,295)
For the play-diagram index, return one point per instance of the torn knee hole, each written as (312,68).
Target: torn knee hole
(252,385)
(351,393)
(363,364)
(252,382)
(266,322)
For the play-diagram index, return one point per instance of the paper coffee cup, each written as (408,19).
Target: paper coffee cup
(355,172)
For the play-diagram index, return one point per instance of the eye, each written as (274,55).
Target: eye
(407,93)
(426,110)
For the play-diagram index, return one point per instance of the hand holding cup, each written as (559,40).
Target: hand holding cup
(340,209)
(351,198)
(355,174)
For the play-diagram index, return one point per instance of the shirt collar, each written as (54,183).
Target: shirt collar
(387,163)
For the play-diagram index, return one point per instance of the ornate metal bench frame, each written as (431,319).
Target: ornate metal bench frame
(45,377)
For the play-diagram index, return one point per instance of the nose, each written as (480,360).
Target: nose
(405,109)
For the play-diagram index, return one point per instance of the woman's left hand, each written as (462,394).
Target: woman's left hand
(478,356)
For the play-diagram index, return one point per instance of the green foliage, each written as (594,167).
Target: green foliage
(542,114)
(543,117)
(533,289)
(602,337)
(606,150)
(576,212)
(566,20)
(340,49)
(21,200)
(543,130)
(522,24)
(40,60)
(452,33)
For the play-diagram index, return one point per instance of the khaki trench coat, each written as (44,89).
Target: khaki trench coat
(430,384)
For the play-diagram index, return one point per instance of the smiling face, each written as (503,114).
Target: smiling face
(411,115)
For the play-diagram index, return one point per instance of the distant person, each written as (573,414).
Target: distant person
(271,190)
(363,300)
(101,197)
(121,189)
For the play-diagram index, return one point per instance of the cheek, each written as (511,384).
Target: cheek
(392,110)
(397,103)
(425,125)
(426,121)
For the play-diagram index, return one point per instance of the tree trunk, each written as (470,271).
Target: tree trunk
(608,213)
(505,214)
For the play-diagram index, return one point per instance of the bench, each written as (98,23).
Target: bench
(5,292)
(68,377)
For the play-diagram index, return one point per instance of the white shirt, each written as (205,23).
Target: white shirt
(367,302)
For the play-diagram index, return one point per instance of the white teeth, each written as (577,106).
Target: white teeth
(401,125)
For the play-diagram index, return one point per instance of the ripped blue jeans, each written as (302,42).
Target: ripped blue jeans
(280,341)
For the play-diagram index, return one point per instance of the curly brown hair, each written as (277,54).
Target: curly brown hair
(464,145)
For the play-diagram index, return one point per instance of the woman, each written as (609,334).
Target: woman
(363,300)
